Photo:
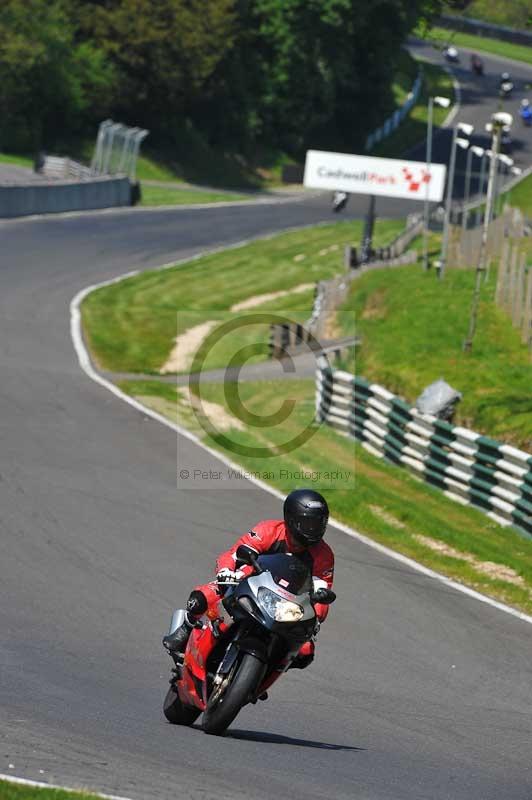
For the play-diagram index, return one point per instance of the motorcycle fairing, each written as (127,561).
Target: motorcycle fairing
(192,683)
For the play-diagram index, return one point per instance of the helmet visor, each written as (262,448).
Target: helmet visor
(309,529)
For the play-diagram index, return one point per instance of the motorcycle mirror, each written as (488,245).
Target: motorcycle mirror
(245,555)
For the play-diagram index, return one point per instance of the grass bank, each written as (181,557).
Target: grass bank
(14,791)
(513,15)
(167,196)
(380,500)
(17,161)
(442,36)
(413,327)
(131,325)
(521,196)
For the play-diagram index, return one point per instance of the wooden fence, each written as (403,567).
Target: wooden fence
(514,289)
(464,245)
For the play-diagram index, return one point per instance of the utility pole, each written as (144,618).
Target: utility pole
(498,121)
(367,238)
(444,102)
(464,144)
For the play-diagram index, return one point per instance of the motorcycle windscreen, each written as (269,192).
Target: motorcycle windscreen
(288,571)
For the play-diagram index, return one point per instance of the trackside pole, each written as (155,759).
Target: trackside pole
(367,238)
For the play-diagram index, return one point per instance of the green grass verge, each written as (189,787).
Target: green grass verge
(521,196)
(18,161)
(514,15)
(165,196)
(413,327)
(380,500)
(150,169)
(131,325)
(414,128)
(442,36)
(14,791)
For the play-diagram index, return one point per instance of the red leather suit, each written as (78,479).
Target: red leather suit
(272,536)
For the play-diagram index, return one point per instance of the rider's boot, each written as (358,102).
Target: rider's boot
(176,642)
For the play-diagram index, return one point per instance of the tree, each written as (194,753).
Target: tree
(48,80)
(164,52)
(325,66)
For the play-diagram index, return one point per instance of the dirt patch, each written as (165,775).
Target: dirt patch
(259,299)
(375,307)
(327,250)
(499,572)
(387,517)
(185,347)
(332,329)
(215,413)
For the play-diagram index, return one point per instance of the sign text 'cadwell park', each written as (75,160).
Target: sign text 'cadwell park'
(389,177)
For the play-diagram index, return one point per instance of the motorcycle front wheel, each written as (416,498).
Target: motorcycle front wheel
(240,690)
(176,712)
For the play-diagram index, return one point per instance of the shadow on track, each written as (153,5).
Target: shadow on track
(274,738)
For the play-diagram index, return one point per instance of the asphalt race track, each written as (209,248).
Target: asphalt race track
(418,692)
(479,100)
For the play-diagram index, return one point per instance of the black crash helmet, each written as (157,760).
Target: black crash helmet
(306,514)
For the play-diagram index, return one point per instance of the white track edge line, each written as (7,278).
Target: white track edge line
(86,366)
(44,785)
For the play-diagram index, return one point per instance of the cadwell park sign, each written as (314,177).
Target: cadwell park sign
(388,177)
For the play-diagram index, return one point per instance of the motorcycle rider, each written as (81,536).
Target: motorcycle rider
(301,532)
(477,65)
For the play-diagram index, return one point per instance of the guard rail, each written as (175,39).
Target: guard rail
(467,466)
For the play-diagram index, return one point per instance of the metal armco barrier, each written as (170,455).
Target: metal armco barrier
(65,168)
(470,468)
(393,122)
(20,201)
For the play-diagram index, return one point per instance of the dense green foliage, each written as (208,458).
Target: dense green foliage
(50,80)
(244,75)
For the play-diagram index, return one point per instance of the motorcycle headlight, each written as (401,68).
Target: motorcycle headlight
(277,607)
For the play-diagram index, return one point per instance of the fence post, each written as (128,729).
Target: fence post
(501,276)
(517,305)
(526,332)
(511,281)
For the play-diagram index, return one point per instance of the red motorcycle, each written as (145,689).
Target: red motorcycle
(246,643)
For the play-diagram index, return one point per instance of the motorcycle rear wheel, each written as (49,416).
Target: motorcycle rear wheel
(176,712)
(245,682)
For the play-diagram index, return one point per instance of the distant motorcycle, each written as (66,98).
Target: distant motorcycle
(506,89)
(477,65)
(450,53)
(525,112)
(339,201)
(505,86)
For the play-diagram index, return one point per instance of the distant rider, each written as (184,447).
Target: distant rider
(300,532)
